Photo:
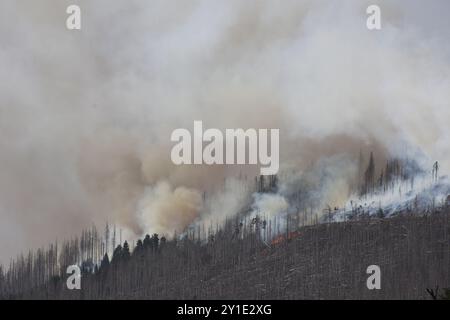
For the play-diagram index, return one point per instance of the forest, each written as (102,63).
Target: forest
(249,257)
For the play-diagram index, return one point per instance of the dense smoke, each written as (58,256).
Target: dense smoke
(86,116)
(164,209)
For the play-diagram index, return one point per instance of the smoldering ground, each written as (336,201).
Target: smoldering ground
(86,116)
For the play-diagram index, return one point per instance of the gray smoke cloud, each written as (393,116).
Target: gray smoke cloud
(86,116)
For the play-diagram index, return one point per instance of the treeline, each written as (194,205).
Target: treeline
(115,273)
(321,261)
(46,265)
(28,272)
(44,270)
(42,274)
(154,262)
(385,178)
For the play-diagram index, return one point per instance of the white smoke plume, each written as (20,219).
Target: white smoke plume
(86,116)
(162,209)
(269,205)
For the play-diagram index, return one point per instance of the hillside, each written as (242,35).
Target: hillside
(325,261)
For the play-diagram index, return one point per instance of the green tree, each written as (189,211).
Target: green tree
(139,249)
(147,242)
(104,265)
(125,251)
(117,254)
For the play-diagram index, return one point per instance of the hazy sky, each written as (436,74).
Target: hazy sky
(86,116)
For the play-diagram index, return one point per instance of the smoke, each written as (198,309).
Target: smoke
(269,205)
(165,209)
(86,116)
(328,183)
(227,202)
